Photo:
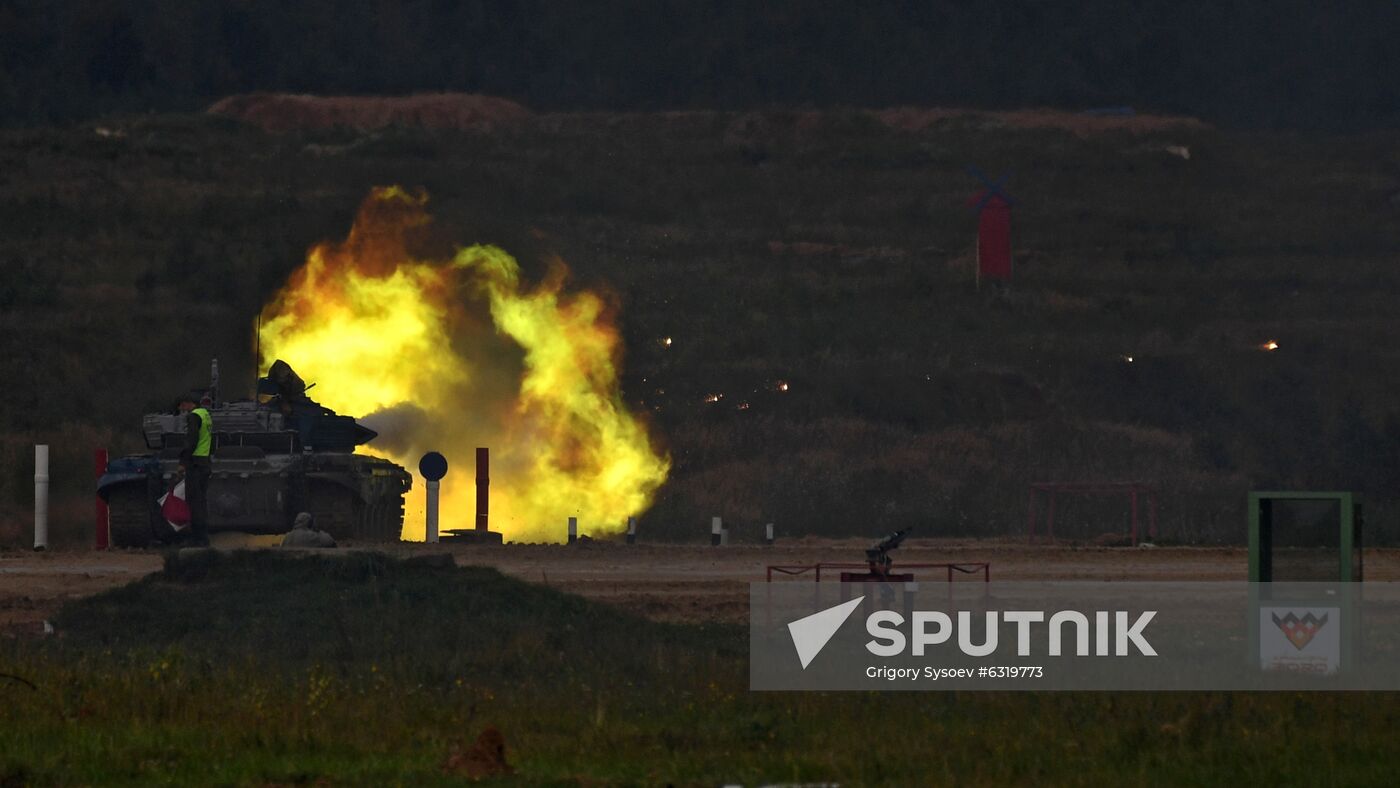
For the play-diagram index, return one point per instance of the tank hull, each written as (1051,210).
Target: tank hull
(273,458)
(353,496)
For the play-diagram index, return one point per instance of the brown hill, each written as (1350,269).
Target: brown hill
(1081,123)
(283,112)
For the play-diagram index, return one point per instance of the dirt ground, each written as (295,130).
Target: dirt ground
(667,582)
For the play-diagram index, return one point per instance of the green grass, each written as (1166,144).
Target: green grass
(259,668)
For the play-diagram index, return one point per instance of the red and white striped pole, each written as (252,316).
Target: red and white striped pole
(103,524)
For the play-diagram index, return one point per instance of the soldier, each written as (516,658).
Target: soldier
(194,464)
(304,534)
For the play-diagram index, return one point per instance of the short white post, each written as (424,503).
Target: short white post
(41,496)
(573,530)
(431,536)
(768,534)
(716,531)
(631,530)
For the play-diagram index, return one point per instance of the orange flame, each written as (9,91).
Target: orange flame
(449,353)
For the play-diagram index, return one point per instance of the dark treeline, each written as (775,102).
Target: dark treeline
(1261,63)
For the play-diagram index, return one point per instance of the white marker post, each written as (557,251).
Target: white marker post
(631,530)
(573,530)
(716,531)
(433,466)
(431,537)
(768,534)
(41,496)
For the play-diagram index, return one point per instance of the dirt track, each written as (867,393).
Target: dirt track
(667,582)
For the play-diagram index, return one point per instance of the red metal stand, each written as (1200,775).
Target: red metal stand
(483,489)
(480,532)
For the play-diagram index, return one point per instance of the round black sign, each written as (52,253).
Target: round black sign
(433,466)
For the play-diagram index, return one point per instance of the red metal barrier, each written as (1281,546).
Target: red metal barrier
(966,568)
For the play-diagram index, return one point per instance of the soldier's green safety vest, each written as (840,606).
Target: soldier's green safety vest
(206,434)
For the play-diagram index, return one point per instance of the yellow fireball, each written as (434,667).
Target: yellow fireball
(450,352)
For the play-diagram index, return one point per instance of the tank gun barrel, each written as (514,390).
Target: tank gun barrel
(892,541)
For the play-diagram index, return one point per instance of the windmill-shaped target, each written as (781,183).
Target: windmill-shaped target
(993,208)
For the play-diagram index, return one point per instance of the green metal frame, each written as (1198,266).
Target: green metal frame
(1343,594)
(1261,536)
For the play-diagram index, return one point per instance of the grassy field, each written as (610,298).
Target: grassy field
(827,250)
(257,668)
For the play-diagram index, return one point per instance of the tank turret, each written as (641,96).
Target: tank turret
(282,419)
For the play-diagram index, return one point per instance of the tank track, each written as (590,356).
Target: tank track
(382,521)
(341,513)
(129,509)
(335,508)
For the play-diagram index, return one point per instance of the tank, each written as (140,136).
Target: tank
(273,456)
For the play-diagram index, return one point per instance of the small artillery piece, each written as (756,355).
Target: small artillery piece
(878,555)
(879,563)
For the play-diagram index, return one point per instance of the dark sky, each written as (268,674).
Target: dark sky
(1262,63)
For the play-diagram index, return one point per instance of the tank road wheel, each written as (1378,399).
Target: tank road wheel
(130,511)
(369,517)
(386,522)
(336,509)
(382,511)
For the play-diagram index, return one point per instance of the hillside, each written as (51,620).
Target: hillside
(827,250)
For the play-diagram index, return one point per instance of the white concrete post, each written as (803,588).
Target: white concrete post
(716,531)
(431,535)
(573,530)
(631,530)
(768,534)
(41,497)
